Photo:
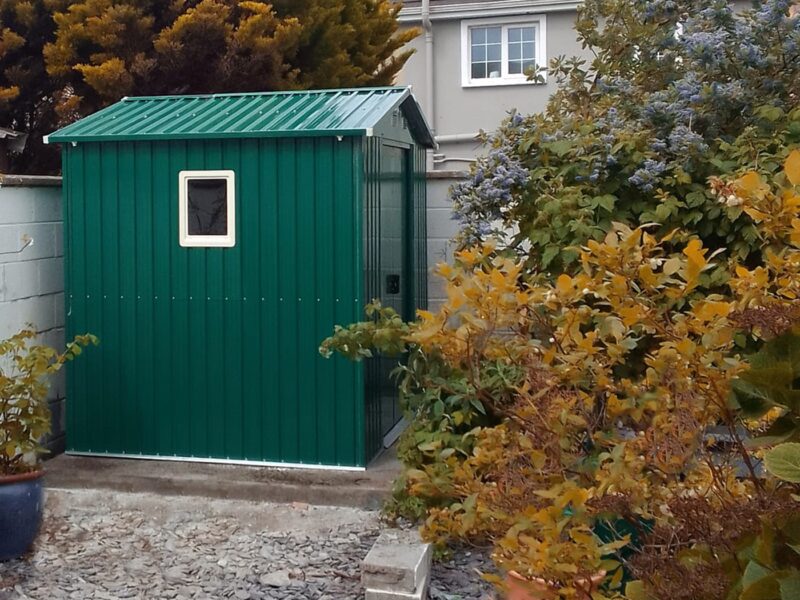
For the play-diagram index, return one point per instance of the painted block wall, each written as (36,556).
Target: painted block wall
(442,228)
(32,275)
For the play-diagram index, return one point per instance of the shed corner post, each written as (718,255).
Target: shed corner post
(360,181)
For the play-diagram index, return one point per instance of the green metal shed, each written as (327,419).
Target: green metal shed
(211,243)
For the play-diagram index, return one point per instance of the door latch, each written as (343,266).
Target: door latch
(393,284)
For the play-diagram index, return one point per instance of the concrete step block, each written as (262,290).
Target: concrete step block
(421,594)
(399,562)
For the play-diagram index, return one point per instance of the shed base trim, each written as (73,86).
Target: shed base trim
(220,461)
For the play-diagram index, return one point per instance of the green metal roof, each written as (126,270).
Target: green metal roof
(346,112)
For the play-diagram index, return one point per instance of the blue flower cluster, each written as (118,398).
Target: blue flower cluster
(698,79)
(495,180)
(648,175)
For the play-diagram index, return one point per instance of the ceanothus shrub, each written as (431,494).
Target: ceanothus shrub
(678,91)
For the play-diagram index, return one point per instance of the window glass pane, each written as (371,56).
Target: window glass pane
(528,34)
(207,209)
(514,34)
(528,65)
(514,51)
(494,35)
(479,35)
(478,54)
(479,71)
(529,50)
(494,51)
(494,70)
(515,67)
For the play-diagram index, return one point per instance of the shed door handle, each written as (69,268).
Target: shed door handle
(393,284)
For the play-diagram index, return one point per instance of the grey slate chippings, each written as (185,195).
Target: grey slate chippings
(110,546)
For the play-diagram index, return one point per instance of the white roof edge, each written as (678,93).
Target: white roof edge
(46,139)
(491,8)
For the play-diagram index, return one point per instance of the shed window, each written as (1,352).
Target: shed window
(207,209)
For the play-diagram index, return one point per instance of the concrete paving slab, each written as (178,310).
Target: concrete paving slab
(366,489)
(398,562)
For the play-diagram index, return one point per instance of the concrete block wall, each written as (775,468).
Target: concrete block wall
(441,229)
(32,271)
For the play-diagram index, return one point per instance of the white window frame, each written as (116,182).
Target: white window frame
(206,241)
(539,22)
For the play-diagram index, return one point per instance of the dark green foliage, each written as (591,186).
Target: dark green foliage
(27,94)
(773,382)
(62,60)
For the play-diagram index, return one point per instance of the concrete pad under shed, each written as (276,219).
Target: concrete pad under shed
(361,489)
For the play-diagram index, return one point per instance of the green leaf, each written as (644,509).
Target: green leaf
(753,572)
(790,586)
(606,202)
(477,405)
(549,254)
(559,147)
(766,588)
(784,462)
(635,590)
(438,408)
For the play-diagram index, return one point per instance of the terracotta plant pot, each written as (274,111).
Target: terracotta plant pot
(520,588)
(20,513)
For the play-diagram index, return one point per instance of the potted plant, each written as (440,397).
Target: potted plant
(24,421)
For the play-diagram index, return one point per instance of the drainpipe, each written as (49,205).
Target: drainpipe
(458,137)
(430,97)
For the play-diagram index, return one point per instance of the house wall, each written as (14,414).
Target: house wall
(464,110)
(32,275)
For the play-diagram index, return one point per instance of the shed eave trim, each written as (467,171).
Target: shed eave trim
(155,137)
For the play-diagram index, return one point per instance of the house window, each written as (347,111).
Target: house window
(502,51)
(207,211)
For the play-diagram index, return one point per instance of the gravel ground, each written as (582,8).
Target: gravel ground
(109,546)
(460,577)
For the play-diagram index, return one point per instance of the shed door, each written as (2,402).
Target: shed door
(394,272)
(387,279)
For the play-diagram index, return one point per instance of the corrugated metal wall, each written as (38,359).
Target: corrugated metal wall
(212,353)
(381,391)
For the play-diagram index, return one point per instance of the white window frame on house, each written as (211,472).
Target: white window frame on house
(538,22)
(206,241)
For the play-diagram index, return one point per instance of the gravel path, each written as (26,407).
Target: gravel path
(109,546)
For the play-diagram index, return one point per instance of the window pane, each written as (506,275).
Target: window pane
(514,34)
(207,206)
(494,35)
(479,35)
(494,70)
(529,50)
(514,51)
(528,65)
(479,71)
(528,34)
(515,67)
(478,53)
(494,52)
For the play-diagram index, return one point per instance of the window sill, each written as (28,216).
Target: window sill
(491,83)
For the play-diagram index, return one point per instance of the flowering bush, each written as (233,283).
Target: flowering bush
(677,91)
(626,441)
